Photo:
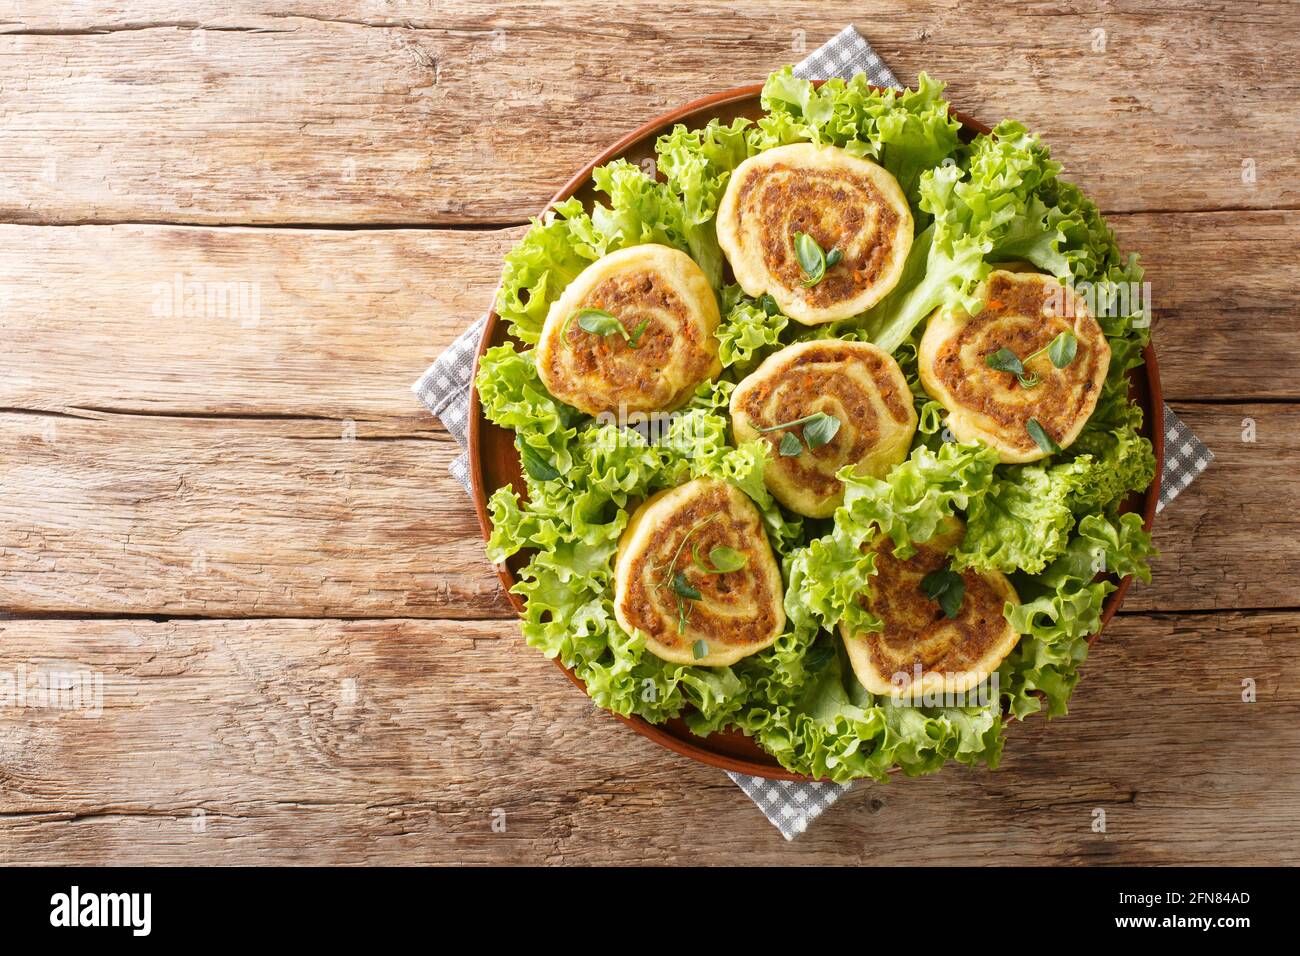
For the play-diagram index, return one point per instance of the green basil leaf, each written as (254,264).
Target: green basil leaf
(947,587)
(833,257)
(634,340)
(1063,349)
(950,600)
(1040,437)
(811,258)
(700,650)
(1005,360)
(538,468)
(820,430)
(683,587)
(599,322)
(728,559)
(722,559)
(790,445)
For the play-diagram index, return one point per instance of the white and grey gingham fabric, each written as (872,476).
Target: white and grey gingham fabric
(1185,458)
(845,55)
(444,390)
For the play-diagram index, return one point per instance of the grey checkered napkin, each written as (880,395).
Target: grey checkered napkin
(444,390)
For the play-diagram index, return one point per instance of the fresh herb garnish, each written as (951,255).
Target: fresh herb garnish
(768,305)
(722,559)
(1061,351)
(538,468)
(684,588)
(1005,360)
(700,650)
(812,260)
(676,580)
(818,429)
(1040,437)
(600,322)
(946,587)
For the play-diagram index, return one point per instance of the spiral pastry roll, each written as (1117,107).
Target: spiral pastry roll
(668,313)
(1024,312)
(668,587)
(845,203)
(922,650)
(859,384)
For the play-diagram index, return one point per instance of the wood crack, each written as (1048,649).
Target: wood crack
(108,29)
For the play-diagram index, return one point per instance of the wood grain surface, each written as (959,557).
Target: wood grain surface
(239,525)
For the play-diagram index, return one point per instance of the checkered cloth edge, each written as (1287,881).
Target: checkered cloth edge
(1185,458)
(444,390)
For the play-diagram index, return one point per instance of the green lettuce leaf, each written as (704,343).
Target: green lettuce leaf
(1001,201)
(697,164)
(748,332)
(514,397)
(906,131)
(1021,524)
(1060,608)
(541,264)
(913,503)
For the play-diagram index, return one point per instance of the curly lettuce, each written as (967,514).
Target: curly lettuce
(750,330)
(1061,608)
(1021,524)
(906,131)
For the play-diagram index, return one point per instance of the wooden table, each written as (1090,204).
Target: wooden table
(243,523)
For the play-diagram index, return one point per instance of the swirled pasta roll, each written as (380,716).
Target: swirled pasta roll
(843,202)
(669,548)
(667,346)
(1025,311)
(859,384)
(951,655)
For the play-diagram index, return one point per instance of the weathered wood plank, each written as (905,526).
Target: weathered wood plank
(346,320)
(197,516)
(1224,300)
(1232,540)
(216,517)
(394,741)
(216,112)
(330,322)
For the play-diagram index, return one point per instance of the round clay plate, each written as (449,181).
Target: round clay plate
(494,460)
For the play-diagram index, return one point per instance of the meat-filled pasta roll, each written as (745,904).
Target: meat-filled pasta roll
(922,650)
(969,364)
(696,576)
(858,385)
(852,209)
(634,332)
